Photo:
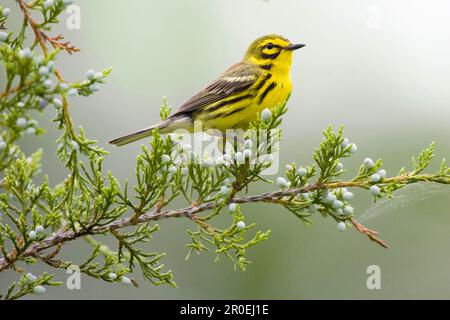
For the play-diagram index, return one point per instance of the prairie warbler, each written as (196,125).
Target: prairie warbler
(261,80)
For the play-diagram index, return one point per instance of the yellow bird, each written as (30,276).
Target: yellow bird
(261,80)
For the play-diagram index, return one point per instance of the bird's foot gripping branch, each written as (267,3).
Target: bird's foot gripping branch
(38,219)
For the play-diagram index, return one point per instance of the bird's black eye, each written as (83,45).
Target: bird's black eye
(269,46)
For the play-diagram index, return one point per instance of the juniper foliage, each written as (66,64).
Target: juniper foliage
(38,219)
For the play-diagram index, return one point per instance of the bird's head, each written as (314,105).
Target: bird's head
(272,52)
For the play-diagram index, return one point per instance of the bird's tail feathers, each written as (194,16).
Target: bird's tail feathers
(129,138)
(164,127)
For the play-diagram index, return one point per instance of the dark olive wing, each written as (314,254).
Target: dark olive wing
(235,80)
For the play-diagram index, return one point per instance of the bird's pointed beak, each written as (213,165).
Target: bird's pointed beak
(293,47)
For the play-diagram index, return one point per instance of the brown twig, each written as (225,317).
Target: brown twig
(41,36)
(62,236)
(154,215)
(57,43)
(50,260)
(270,197)
(11,91)
(371,234)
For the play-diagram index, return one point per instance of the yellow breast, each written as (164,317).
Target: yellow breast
(277,95)
(240,115)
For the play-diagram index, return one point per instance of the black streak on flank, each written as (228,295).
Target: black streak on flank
(227,102)
(234,111)
(262,82)
(268,89)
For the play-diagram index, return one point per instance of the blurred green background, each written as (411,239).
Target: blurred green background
(380,68)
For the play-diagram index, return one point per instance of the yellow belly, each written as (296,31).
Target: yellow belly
(250,108)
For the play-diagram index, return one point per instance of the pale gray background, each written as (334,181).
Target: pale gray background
(381,68)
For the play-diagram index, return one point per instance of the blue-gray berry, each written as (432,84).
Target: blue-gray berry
(25,53)
(337,204)
(42,103)
(266,115)
(63,86)
(126,281)
(353,148)
(48,3)
(348,210)
(57,103)
(165,158)
(75,145)
(72,92)
(21,122)
(368,163)
(184,171)
(30,277)
(48,83)
(341,226)
(382,173)
(208,162)
(112,276)
(94,87)
(32,235)
(239,157)
(31,131)
(3,36)
(302,172)
(232,207)
(224,190)
(329,198)
(282,182)
(305,195)
(345,143)
(90,75)
(173,169)
(375,190)
(248,144)
(375,177)
(39,290)
(98,76)
(347,196)
(240,225)
(44,71)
